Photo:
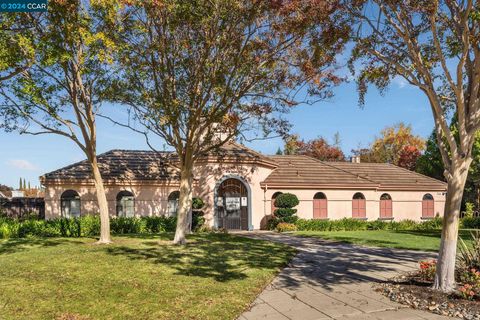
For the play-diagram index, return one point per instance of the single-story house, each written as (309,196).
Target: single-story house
(239,186)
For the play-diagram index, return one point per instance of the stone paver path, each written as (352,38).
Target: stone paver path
(330,280)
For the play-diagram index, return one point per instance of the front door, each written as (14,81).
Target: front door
(232,205)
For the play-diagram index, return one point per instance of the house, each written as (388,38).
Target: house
(239,186)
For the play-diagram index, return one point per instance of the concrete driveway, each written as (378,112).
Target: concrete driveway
(330,280)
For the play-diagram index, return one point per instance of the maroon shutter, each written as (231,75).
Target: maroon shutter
(320,209)
(386,208)
(428,208)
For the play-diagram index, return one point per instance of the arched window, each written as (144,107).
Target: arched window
(70,204)
(428,206)
(320,206)
(173,203)
(386,206)
(125,204)
(274,196)
(359,206)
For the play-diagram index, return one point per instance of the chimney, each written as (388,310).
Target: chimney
(355,159)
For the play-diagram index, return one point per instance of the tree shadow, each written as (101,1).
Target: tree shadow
(327,264)
(17,245)
(218,256)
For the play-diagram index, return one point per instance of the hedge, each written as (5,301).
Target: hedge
(85,226)
(349,224)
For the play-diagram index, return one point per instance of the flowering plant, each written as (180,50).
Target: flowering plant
(471,283)
(467,292)
(427,269)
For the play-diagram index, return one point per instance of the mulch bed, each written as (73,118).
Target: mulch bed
(418,294)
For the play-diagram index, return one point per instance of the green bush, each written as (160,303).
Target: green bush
(286,227)
(349,224)
(85,226)
(285,212)
(470,223)
(272,223)
(197,203)
(286,200)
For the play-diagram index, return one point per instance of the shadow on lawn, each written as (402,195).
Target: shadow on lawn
(218,256)
(16,245)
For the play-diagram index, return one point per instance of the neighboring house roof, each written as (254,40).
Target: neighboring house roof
(117,165)
(389,176)
(302,171)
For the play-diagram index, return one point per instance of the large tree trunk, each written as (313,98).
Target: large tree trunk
(445,274)
(184,203)
(102,203)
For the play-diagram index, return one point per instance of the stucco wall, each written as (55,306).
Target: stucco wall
(405,204)
(151,198)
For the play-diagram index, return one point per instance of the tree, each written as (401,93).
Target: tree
(69,52)
(279,152)
(320,149)
(433,45)
(12,64)
(408,157)
(317,148)
(20,184)
(397,145)
(430,164)
(194,68)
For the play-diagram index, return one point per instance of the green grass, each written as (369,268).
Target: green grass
(216,276)
(413,240)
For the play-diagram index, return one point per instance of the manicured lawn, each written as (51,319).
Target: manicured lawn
(216,276)
(414,240)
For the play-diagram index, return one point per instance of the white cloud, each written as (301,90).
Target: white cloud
(22,164)
(400,82)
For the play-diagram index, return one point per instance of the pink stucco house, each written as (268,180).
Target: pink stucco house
(239,185)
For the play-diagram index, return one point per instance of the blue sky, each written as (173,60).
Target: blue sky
(31,156)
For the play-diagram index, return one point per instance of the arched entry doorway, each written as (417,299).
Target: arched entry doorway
(232,205)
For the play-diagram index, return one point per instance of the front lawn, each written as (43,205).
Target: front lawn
(216,276)
(408,239)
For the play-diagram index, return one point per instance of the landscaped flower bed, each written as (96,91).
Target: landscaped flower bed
(415,289)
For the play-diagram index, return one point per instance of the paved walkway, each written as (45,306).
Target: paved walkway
(329,280)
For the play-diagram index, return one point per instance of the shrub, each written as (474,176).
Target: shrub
(313,225)
(469,209)
(285,212)
(197,220)
(468,257)
(197,203)
(286,227)
(427,269)
(159,224)
(433,224)
(272,223)
(286,200)
(470,223)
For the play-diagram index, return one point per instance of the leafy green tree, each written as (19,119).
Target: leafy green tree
(430,164)
(69,56)
(434,46)
(198,73)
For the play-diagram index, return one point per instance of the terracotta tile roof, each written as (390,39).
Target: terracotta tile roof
(304,171)
(391,176)
(149,165)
